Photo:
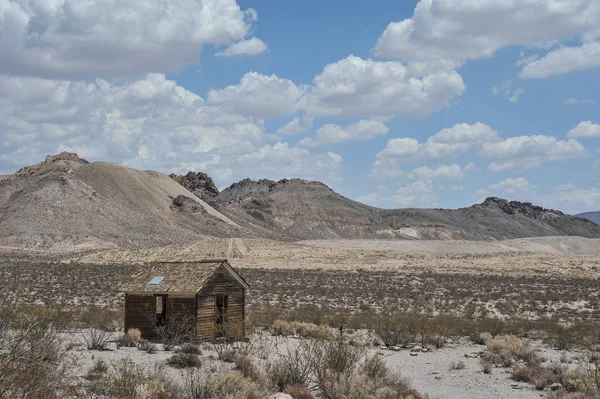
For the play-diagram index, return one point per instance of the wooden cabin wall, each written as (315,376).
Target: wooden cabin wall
(181,309)
(140,309)
(206,318)
(137,310)
(221,283)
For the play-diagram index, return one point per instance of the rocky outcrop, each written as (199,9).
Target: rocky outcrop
(201,185)
(182,203)
(523,208)
(65,162)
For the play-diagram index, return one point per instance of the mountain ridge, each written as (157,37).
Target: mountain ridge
(594,216)
(66,202)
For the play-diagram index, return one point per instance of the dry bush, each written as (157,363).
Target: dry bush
(586,378)
(299,392)
(304,330)
(294,365)
(94,338)
(189,348)
(100,318)
(182,360)
(486,366)
(457,365)
(505,350)
(244,364)
(33,363)
(359,386)
(145,346)
(127,380)
(375,368)
(130,339)
(178,329)
(221,385)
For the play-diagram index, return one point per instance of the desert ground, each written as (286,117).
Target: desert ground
(542,289)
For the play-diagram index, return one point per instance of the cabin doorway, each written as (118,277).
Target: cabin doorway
(221,306)
(160,304)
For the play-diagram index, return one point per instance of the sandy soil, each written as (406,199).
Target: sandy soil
(430,372)
(545,245)
(550,255)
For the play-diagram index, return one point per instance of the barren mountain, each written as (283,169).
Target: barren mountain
(302,209)
(593,216)
(67,202)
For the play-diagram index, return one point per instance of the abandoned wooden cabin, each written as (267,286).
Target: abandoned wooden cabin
(205,299)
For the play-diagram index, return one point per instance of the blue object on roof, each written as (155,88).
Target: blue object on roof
(156,280)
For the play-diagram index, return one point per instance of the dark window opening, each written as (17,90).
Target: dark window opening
(161,310)
(222,303)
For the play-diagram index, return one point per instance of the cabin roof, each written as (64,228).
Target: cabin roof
(187,276)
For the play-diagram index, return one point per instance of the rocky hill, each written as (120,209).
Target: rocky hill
(302,209)
(593,216)
(66,202)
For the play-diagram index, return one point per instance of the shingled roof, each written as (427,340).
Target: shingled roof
(177,276)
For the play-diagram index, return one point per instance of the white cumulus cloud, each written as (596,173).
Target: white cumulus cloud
(296,126)
(442,172)
(564,60)
(65,39)
(577,101)
(355,87)
(334,134)
(531,151)
(585,130)
(259,96)
(418,194)
(251,46)
(459,29)
(148,123)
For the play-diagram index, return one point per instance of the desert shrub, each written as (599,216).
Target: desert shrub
(244,364)
(100,318)
(294,365)
(130,339)
(99,367)
(145,346)
(182,360)
(457,365)
(304,330)
(394,329)
(126,380)
(189,348)
(178,330)
(221,385)
(375,368)
(299,392)
(586,378)
(336,357)
(358,386)
(486,366)
(524,373)
(94,338)
(33,362)
(505,350)
(225,350)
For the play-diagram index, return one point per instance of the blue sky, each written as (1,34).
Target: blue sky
(437,103)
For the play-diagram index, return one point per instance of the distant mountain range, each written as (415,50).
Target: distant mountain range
(593,216)
(67,203)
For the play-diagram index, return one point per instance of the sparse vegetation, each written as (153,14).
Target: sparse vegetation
(32,357)
(183,360)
